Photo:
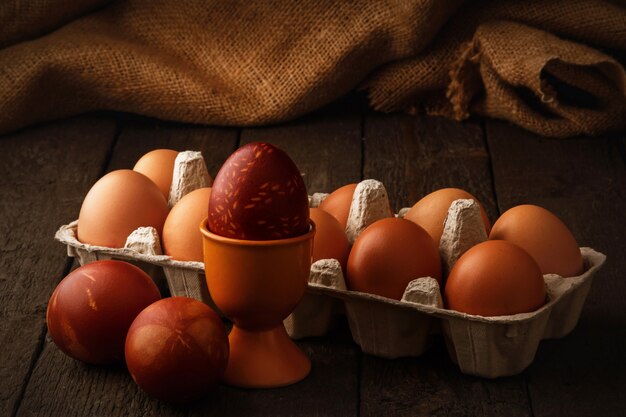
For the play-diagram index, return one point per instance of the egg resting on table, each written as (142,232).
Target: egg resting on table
(91,309)
(177,349)
(258,194)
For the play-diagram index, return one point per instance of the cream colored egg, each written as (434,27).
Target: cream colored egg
(544,236)
(158,165)
(182,239)
(116,205)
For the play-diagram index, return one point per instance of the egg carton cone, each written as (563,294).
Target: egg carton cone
(484,346)
(143,245)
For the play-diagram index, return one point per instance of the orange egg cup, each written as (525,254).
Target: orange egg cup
(257,284)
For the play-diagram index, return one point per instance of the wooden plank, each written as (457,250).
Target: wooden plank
(582,180)
(44,173)
(331,389)
(62,386)
(413,156)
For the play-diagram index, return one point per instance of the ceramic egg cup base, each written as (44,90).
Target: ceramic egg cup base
(264,359)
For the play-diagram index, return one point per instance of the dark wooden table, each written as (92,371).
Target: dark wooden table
(45,171)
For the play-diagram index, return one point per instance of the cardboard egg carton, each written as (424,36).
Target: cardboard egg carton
(143,246)
(484,346)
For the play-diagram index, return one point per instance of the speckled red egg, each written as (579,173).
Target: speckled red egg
(388,255)
(177,349)
(92,308)
(259,194)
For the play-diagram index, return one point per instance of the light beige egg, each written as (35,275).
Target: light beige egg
(544,236)
(158,165)
(431,211)
(182,239)
(116,205)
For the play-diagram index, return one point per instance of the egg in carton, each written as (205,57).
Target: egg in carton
(143,247)
(484,346)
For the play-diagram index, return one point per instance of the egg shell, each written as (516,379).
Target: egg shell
(92,308)
(330,240)
(158,165)
(116,205)
(177,349)
(495,278)
(338,203)
(544,236)
(181,236)
(388,255)
(259,194)
(430,212)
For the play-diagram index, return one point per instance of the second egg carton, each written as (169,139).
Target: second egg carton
(484,346)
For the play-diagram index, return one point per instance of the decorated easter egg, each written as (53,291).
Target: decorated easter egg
(258,194)
(92,308)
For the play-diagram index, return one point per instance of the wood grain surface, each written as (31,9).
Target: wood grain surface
(46,171)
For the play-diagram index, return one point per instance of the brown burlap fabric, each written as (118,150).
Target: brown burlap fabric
(544,65)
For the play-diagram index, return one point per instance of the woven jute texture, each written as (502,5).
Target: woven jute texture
(544,65)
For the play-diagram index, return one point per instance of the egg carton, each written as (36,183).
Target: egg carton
(143,246)
(484,346)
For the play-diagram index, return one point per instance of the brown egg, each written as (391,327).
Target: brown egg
(388,255)
(158,165)
(177,349)
(116,205)
(330,240)
(182,239)
(544,236)
(431,211)
(92,308)
(338,203)
(495,278)
(259,194)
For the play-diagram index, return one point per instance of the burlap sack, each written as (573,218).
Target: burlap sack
(536,63)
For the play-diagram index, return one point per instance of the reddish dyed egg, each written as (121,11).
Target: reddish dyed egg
(259,194)
(338,203)
(544,236)
(92,308)
(330,240)
(388,255)
(495,278)
(177,349)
